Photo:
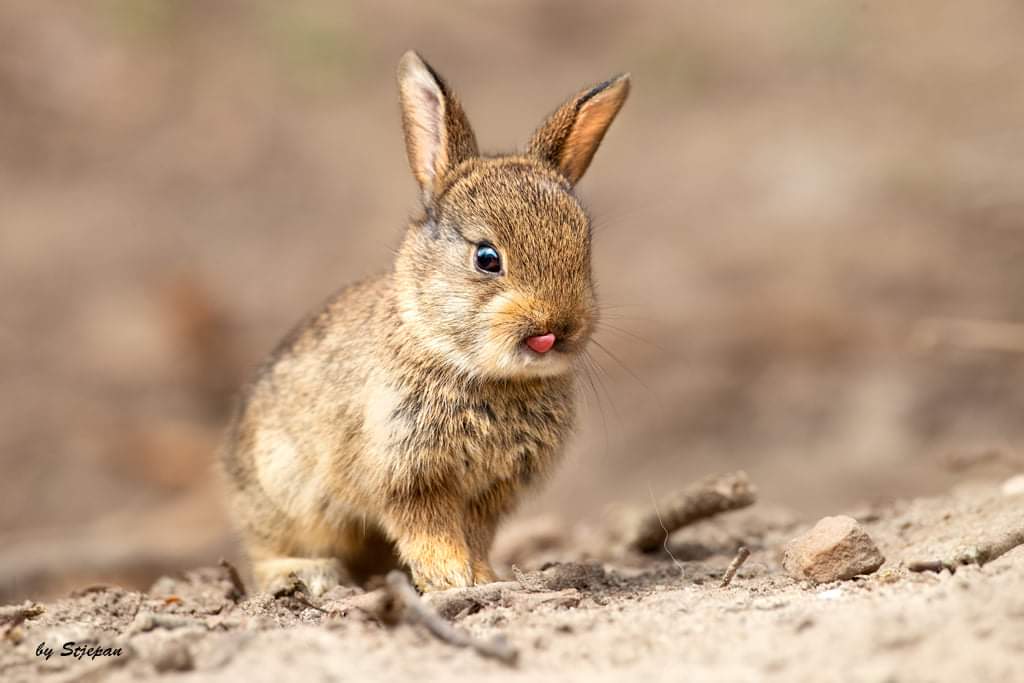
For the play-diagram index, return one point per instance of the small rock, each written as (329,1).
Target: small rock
(163,587)
(1014,486)
(831,594)
(836,548)
(173,656)
(767,603)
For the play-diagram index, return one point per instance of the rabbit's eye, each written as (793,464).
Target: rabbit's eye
(487,259)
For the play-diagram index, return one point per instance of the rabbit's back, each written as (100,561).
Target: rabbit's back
(301,414)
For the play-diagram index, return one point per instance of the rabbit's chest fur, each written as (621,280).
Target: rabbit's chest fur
(434,430)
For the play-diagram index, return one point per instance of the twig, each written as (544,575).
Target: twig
(19,613)
(741,556)
(454,601)
(926,566)
(705,499)
(984,554)
(13,618)
(418,611)
(961,461)
(528,583)
(972,335)
(974,555)
(235,579)
(95,588)
(296,590)
(301,598)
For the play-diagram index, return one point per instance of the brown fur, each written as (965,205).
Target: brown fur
(402,422)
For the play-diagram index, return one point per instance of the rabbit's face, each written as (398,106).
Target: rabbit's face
(496,277)
(502,284)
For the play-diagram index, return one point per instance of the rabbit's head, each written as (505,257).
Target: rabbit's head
(495,277)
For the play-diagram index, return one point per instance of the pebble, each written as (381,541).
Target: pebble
(831,594)
(173,656)
(836,548)
(1014,486)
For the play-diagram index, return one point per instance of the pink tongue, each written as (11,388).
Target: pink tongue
(542,343)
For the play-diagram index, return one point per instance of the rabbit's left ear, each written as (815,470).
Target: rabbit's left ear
(570,136)
(437,134)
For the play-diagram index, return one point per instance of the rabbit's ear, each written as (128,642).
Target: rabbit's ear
(570,136)
(437,135)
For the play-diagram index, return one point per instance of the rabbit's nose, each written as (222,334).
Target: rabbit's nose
(541,343)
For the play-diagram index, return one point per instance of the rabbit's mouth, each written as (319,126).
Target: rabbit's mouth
(523,336)
(546,354)
(550,344)
(547,364)
(540,343)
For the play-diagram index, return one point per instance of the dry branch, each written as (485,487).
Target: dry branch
(454,601)
(970,335)
(741,556)
(418,611)
(979,555)
(21,612)
(528,583)
(707,498)
(13,617)
(962,461)
(235,579)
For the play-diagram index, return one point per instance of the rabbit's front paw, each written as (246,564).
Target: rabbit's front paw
(441,565)
(482,572)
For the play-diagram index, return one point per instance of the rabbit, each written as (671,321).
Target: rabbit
(398,425)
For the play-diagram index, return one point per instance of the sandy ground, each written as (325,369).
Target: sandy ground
(808,244)
(597,613)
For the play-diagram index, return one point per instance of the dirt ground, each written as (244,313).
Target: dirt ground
(808,244)
(599,613)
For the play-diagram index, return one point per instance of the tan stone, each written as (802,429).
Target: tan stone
(835,548)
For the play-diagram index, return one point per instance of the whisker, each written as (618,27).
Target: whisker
(621,365)
(618,218)
(612,307)
(588,373)
(599,370)
(603,326)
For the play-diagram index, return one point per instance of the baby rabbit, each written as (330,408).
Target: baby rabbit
(401,422)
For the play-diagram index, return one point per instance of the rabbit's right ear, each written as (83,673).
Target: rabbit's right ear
(568,139)
(437,134)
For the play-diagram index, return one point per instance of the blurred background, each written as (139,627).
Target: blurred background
(810,243)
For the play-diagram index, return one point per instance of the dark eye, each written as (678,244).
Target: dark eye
(487,259)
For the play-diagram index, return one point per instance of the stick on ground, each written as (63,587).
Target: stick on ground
(973,335)
(20,613)
(926,566)
(13,617)
(741,556)
(704,499)
(979,555)
(418,611)
(234,578)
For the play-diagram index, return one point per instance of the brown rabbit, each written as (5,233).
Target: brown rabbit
(403,420)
